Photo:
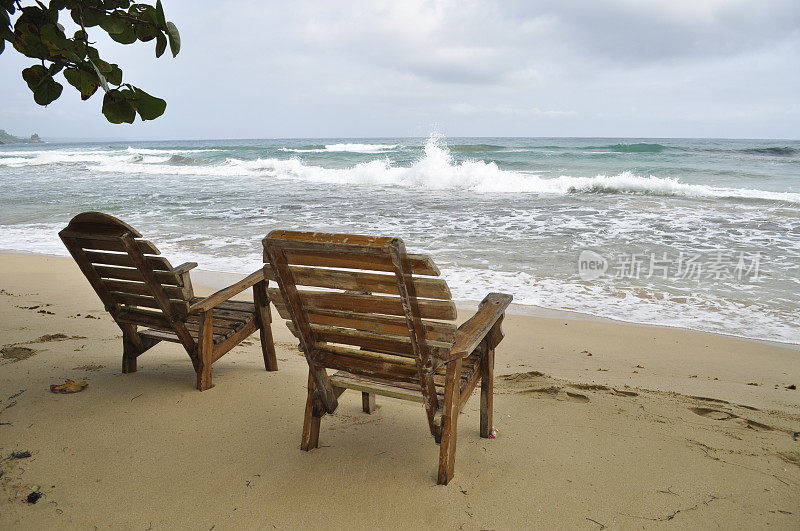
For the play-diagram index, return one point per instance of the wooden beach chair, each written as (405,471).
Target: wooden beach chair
(369,294)
(139,288)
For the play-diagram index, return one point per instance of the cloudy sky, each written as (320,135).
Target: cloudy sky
(616,68)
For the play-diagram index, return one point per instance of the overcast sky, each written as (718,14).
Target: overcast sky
(616,68)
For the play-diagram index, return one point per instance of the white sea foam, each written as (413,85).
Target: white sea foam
(152,151)
(352,148)
(106,157)
(697,311)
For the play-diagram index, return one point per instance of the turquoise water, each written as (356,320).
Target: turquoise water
(703,234)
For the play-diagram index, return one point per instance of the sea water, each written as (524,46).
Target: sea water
(703,234)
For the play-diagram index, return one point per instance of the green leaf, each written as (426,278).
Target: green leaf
(48,91)
(101,65)
(149,107)
(117,109)
(33,76)
(53,37)
(114,76)
(162,22)
(119,4)
(161,44)
(146,32)
(114,24)
(174,38)
(127,36)
(85,82)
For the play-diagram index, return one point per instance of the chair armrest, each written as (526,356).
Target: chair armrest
(184,268)
(224,294)
(470,334)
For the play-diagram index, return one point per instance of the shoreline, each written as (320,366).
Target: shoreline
(220,279)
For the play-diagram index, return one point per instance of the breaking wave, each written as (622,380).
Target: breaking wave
(435,169)
(438,170)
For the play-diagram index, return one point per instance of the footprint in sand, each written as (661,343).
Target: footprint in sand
(590,387)
(577,397)
(714,414)
(717,414)
(753,425)
(549,390)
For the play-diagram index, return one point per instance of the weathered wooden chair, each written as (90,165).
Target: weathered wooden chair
(406,349)
(140,288)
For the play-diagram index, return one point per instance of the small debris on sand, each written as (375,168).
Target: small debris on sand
(69,387)
(89,367)
(47,338)
(16,353)
(20,455)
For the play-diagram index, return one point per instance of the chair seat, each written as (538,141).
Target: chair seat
(229,318)
(403,390)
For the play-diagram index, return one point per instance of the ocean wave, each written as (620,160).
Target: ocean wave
(640,147)
(351,148)
(438,170)
(785,151)
(474,148)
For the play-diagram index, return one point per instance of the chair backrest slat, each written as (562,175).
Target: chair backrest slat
(427,287)
(157,263)
(108,244)
(367,363)
(365,303)
(126,273)
(371,322)
(420,264)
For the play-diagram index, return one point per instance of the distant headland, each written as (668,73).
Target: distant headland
(6,138)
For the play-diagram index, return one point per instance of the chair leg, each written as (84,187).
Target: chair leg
(368,402)
(487,390)
(447,446)
(129,350)
(205,348)
(311,422)
(129,355)
(264,317)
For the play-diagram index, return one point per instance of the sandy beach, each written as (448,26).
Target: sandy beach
(600,424)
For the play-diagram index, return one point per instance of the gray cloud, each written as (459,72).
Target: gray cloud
(579,68)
